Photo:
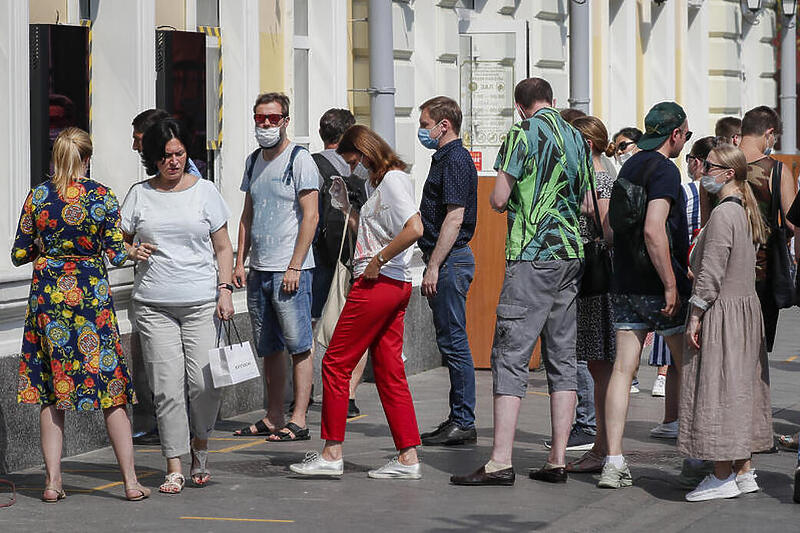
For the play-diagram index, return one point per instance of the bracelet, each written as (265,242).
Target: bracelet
(295,269)
(225,286)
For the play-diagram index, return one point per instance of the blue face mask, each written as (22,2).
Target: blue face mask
(425,138)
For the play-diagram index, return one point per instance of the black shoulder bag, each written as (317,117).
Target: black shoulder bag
(596,278)
(778,260)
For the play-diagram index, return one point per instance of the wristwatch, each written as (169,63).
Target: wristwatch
(381,259)
(225,286)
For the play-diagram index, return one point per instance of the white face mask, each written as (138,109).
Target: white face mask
(624,157)
(710,184)
(268,137)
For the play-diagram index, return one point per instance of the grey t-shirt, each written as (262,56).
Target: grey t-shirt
(276,208)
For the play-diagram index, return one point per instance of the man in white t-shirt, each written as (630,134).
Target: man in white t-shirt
(277,227)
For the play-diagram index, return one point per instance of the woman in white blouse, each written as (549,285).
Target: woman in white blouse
(388,225)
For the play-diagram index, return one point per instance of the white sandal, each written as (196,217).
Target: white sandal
(201,470)
(173,483)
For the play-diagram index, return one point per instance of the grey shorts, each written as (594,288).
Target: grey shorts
(538,298)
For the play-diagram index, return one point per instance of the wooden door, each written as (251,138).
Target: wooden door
(488,246)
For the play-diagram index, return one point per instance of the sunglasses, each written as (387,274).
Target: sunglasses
(708,165)
(687,135)
(273,118)
(621,147)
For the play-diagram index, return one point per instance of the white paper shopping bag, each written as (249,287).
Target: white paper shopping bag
(233,363)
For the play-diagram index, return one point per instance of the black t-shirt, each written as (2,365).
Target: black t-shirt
(664,182)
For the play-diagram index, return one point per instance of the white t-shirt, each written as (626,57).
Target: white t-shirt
(182,270)
(382,217)
(276,208)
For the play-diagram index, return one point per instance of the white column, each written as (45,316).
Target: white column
(123,83)
(15,116)
(240,78)
(622,76)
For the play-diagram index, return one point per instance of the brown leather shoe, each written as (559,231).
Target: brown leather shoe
(589,463)
(480,477)
(550,475)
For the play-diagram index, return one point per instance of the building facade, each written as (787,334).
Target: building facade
(712,56)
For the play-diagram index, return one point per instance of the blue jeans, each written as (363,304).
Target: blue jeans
(449,308)
(280,320)
(584,413)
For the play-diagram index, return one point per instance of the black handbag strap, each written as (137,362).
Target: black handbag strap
(226,325)
(596,218)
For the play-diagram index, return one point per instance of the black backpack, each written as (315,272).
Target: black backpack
(627,210)
(331,220)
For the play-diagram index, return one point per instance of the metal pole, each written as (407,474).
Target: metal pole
(788,95)
(579,55)
(381,69)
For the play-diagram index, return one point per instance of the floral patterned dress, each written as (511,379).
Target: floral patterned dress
(71,351)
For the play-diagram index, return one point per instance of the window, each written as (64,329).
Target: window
(301,93)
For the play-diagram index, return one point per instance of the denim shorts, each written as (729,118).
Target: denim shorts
(643,312)
(280,320)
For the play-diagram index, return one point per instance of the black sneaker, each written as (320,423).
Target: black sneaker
(352,409)
(147,439)
(578,440)
(796,495)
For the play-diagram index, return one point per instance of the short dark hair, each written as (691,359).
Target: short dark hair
(633,134)
(155,141)
(333,124)
(442,107)
(268,98)
(142,122)
(759,119)
(569,114)
(728,127)
(532,90)
(703,146)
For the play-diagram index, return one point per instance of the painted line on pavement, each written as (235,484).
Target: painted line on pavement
(238,447)
(237,519)
(792,358)
(359,417)
(117,483)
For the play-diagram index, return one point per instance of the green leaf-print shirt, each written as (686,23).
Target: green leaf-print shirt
(552,166)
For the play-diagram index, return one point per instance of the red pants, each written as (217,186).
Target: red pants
(371,318)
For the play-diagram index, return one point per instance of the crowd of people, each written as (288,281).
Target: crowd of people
(605,245)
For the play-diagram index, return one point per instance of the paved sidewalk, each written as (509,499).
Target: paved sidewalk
(252,491)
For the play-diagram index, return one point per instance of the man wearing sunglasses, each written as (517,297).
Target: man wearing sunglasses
(279,219)
(651,298)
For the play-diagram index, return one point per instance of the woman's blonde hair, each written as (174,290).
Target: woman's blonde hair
(593,129)
(72,147)
(733,158)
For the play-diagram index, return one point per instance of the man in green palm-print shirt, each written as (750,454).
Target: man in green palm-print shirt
(544,170)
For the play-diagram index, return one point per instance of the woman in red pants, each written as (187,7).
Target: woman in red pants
(388,225)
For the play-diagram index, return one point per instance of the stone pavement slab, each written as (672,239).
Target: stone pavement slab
(252,490)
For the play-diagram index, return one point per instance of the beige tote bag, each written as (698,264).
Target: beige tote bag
(337,295)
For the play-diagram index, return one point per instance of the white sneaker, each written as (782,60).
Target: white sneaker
(712,488)
(394,469)
(315,465)
(634,389)
(665,431)
(659,386)
(747,482)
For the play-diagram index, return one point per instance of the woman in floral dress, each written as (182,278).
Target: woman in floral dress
(71,353)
